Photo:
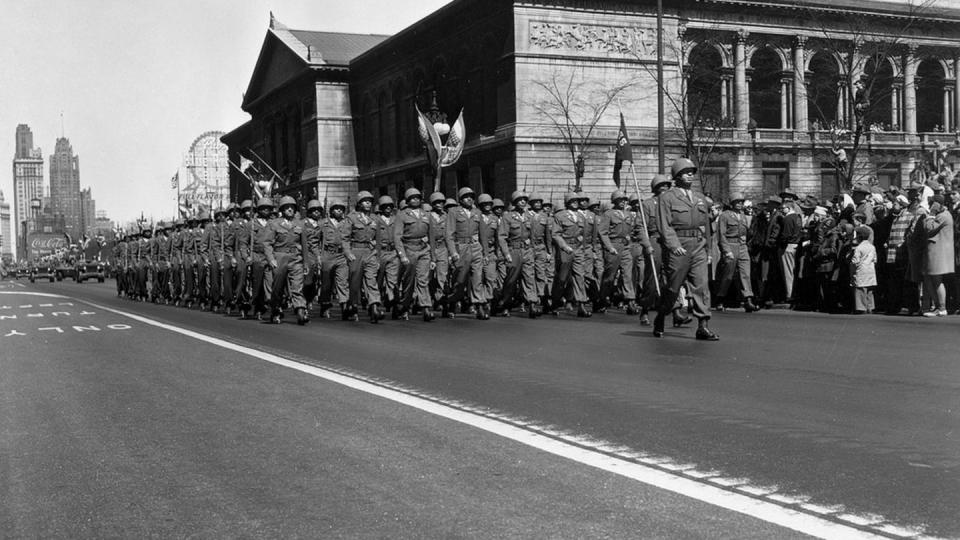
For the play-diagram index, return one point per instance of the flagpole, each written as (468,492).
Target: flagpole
(643,218)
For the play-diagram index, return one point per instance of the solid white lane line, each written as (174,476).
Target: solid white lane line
(750,506)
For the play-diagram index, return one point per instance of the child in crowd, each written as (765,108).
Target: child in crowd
(863,271)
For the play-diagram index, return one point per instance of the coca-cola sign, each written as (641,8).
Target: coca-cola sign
(42,244)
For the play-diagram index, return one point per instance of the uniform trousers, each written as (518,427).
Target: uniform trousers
(161,283)
(189,279)
(176,278)
(692,269)
(121,277)
(388,275)
(229,274)
(653,275)
(622,262)
(569,281)
(143,274)
(639,266)
(489,278)
(739,263)
(519,270)
(592,272)
(311,280)
(131,280)
(287,278)
(333,278)
(261,282)
(540,273)
(439,283)
(416,278)
(241,286)
(216,281)
(203,281)
(363,276)
(467,275)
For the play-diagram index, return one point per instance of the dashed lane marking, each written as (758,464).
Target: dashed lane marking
(650,471)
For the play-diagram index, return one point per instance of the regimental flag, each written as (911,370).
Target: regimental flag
(624,152)
(175,181)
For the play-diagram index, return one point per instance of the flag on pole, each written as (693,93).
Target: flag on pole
(175,181)
(624,152)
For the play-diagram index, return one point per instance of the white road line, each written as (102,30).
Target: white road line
(750,506)
(31,293)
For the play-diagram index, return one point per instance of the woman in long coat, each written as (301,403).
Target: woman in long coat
(939,257)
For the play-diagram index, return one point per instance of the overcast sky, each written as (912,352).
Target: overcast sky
(138,80)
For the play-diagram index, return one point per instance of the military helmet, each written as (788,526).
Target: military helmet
(411,192)
(247,203)
(220,211)
(161,225)
(535,197)
(617,195)
(363,195)
(231,207)
(680,165)
(204,216)
(287,200)
(384,200)
(658,180)
(548,203)
(314,204)
(338,204)
(518,195)
(265,202)
(484,198)
(497,203)
(465,191)
(570,196)
(586,198)
(450,203)
(634,198)
(437,197)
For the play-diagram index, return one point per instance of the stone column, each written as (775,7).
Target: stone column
(910,90)
(946,116)
(956,93)
(740,88)
(724,97)
(799,84)
(895,90)
(784,104)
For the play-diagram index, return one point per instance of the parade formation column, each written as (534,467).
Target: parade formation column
(740,80)
(799,85)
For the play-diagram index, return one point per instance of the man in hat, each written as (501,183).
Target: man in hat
(440,274)
(242,253)
(312,252)
(771,274)
(653,274)
(229,257)
(144,263)
(466,254)
(359,235)
(568,226)
(616,227)
(541,241)
(791,232)
(283,247)
(334,270)
(513,236)
(592,251)
(684,224)
(191,254)
(861,199)
(388,275)
(120,249)
(213,241)
(732,239)
(489,223)
(161,261)
(261,273)
(411,235)
(176,261)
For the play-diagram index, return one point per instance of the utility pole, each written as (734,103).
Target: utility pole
(660,131)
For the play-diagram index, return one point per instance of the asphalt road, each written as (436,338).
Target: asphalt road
(854,418)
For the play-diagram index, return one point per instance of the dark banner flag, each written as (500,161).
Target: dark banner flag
(624,152)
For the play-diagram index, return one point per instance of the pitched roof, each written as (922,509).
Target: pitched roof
(335,48)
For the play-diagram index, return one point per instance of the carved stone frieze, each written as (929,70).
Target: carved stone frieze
(623,40)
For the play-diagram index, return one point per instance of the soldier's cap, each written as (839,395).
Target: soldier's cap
(517,195)
(338,204)
(659,180)
(809,202)
(465,192)
(314,204)
(231,207)
(547,203)
(773,199)
(385,200)
(788,194)
(535,197)
(436,197)
(287,200)
(634,197)
(497,203)
(591,204)
(450,203)
(265,202)
(861,188)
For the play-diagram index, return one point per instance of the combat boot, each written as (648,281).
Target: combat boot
(583,312)
(428,315)
(749,306)
(302,317)
(632,308)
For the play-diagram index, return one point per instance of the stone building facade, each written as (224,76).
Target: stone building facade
(758,92)
(65,186)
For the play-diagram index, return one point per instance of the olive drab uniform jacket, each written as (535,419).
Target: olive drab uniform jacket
(282,236)
(682,216)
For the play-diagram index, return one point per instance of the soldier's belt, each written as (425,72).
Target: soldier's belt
(331,248)
(518,244)
(413,242)
(387,246)
(573,242)
(734,239)
(689,233)
(293,249)
(361,245)
(618,240)
(538,242)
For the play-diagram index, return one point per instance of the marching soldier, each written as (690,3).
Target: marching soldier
(243,252)
(161,259)
(143,264)
(498,210)
(540,239)
(359,235)
(616,227)
(389,273)
(129,266)
(653,273)
(191,254)
(411,233)
(229,257)
(261,273)
(120,260)
(203,261)
(489,223)
(684,224)
(592,252)
(438,245)
(213,246)
(639,246)
(333,265)
(568,237)
(513,236)
(282,240)
(312,251)
(732,231)
(466,254)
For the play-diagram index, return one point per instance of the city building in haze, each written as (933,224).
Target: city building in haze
(27,181)
(65,187)
(7,240)
(88,212)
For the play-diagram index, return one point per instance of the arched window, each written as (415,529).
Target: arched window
(704,85)
(930,89)
(765,88)
(878,94)
(823,89)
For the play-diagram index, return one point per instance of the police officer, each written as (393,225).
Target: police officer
(732,239)
(513,236)
(411,234)
(388,276)
(684,224)
(312,251)
(282,245)
(568,238)
(358,233)
(333,265)
(466,254)
(616,227)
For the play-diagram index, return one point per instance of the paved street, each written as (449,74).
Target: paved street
(119,426)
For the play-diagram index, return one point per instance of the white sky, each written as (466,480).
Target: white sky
(138,80)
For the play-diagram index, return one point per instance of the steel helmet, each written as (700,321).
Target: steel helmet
(518,195)
(363,195)
(586,198)
(464,191)
(437,197)
(658,180)
(287,200)
(246,204)
(484,198)
(384,200)
(634,198)
(680,165)
(548,203)
(497,203)
(265,202)
(314,204)
(570,196)
(450,202)
(220,211)
(338,204)
(617,195)
(231,207)
(535,197)
(412,192)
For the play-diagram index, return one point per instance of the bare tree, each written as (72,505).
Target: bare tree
(574,105)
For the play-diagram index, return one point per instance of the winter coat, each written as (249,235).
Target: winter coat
(863,265)
(939,256)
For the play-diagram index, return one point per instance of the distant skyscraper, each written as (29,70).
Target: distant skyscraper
(6,238)
(88,212)
(65,186)
(27,179)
